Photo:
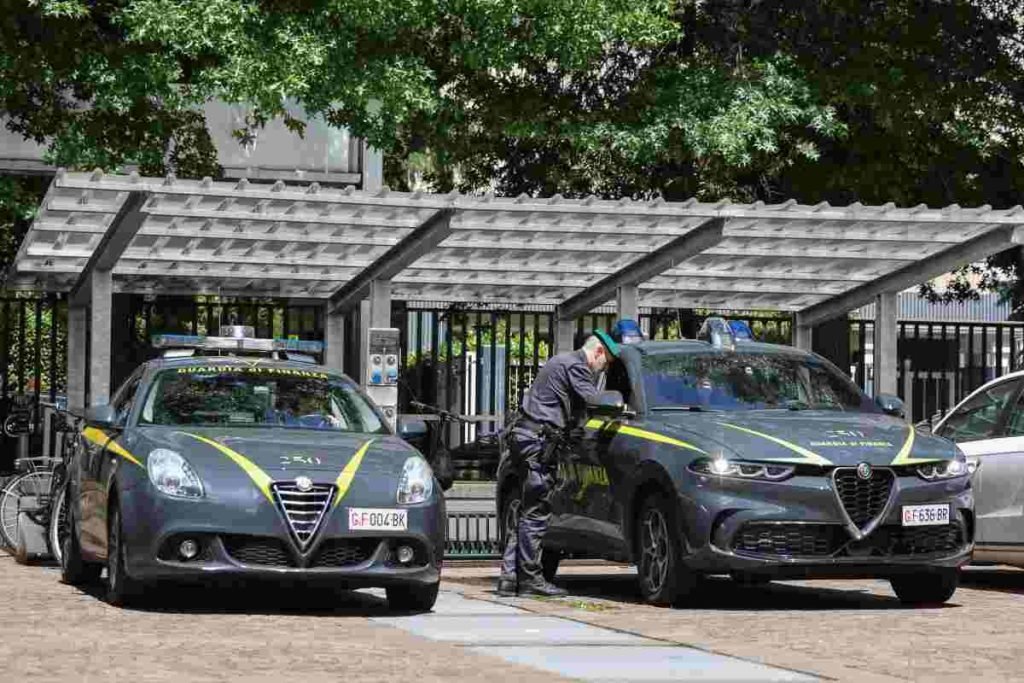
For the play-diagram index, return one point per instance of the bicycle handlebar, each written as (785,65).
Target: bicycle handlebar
(440,412)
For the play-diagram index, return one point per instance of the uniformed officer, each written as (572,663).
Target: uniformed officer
(558,394)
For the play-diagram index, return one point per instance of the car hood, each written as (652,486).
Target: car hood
(279,451)
(807,437)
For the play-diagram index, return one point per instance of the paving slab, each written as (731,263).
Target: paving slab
(515,629)
(663,663)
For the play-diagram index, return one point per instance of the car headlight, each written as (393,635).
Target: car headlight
(738,469)
(944,469)
(172,474)
(417,482)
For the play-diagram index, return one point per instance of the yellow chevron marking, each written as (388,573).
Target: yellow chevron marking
(644,434)
(104,440)
(809,457)
(258,476)
(348,474)
(903,457)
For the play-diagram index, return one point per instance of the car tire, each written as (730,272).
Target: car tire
(74,570)
(122,590)
(412,598)
(549,561)
(661,575)
(926,588)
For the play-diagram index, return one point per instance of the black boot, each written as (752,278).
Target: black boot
(507,587)
(541,587)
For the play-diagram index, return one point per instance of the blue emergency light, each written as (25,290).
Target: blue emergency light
(627,331)
(741,330)
(717,332)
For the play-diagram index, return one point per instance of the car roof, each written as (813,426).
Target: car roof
(205,361)
(684,346)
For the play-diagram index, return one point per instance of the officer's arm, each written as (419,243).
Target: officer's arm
(582,382)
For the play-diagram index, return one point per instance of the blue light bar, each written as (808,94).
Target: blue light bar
(192,341)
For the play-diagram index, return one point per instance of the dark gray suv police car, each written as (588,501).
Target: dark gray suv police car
(760,461)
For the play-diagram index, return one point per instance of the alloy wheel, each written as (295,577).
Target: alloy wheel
(655,549)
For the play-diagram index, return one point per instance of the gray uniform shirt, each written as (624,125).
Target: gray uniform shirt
(562,387)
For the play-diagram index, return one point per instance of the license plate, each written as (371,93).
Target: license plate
(376,519)
(925,515)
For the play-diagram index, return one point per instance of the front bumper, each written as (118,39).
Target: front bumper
(242,535)
(800,528)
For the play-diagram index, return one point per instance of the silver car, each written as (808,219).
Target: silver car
(988,426)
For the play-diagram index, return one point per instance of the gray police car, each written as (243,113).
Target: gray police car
(727,456)
(250,467)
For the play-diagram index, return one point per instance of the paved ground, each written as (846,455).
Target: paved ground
(851,630)
(847,630)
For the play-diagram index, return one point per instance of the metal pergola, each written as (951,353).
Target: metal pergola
(98,234)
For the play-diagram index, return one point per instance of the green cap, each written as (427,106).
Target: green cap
(610,344)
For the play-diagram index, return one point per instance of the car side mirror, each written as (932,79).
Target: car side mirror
(411,428)
(104,417)
(608,404)
(890,405)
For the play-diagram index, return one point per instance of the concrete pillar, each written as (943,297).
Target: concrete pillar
(884,355)
(77,321)
(565,330)
(334,341)
(803,335)
(100,329)
(626,298)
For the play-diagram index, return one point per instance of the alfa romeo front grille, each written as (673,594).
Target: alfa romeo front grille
(258,550)
(787,539)
(345,552)
(304,510)
(863,499)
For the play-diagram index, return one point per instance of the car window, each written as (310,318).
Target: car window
(124,398)
(258,396)
(727,380)
(978,418)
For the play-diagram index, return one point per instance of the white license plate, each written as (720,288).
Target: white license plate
(925,515)
(377,519)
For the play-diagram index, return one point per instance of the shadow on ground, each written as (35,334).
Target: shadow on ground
(1001,579)
(722,593)
(263,598)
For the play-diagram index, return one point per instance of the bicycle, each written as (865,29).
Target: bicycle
(39,478)
(439,450)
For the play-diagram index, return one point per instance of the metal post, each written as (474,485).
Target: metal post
(803,335)
(626,297)
(100,328)
(77,321)
(380,303)
(886,334)
(334,336)
(564,332)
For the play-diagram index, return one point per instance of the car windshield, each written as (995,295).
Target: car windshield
(257,396)
(723,380)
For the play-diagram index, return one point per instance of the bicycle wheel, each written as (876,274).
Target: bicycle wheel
(32,484)
(58,525)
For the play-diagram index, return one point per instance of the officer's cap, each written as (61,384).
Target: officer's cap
(610,344)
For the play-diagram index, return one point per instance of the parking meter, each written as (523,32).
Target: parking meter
(381,380)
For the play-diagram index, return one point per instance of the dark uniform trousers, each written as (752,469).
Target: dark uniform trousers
(523,550)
